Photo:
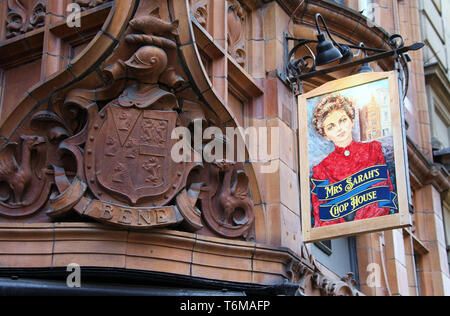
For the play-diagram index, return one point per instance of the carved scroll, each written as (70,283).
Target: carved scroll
(132,217)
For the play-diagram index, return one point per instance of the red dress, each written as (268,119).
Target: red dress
(337,167)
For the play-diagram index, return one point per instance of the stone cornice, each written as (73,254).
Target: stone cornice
(424,172)
(335,14)
(164,251)
(436,77)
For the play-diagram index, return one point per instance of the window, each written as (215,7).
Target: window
(338,256)
(438,4)
(368,8)
(440,124)
(364,6)
(446,214)
(325,246)
(416,262)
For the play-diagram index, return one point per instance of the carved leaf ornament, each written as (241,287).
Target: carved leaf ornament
(236,31)
(24,16)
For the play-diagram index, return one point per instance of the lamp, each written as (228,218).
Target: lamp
(296,70)
(365,68)
(326,49)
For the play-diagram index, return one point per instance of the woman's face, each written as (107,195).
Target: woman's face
(338,128)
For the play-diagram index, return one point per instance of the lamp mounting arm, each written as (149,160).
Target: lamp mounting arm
(319,16)
(297,70)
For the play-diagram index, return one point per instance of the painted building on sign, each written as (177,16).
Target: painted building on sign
(370,121)
(121,125)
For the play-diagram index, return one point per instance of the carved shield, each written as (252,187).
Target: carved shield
(128,156)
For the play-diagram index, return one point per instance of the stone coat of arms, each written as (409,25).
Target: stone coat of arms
(106,153)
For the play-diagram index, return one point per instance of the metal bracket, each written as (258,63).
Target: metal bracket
(298,70)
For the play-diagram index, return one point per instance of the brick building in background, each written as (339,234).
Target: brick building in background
(213,226)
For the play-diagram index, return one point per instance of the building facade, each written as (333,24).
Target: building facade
(370,121)
(92,93)
(434,16)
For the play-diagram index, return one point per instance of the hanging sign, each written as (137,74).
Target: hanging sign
(353,174)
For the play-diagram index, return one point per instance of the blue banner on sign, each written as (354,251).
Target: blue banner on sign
(359,181)
(343,207)
(353,193)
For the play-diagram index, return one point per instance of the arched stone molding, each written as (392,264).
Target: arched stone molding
(192,59)
(78,111)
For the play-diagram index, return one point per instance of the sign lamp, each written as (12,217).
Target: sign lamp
(297,70)
(327,52)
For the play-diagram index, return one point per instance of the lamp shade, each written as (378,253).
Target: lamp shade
(326,51)
(365,68)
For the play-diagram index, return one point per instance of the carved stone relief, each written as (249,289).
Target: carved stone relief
(225,199)
(87,4)
(105,153)
(309,277)
(19,177)
(237,19)
(327,287)
(199,10)
(24,16)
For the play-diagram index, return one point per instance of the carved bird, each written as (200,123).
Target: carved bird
(234,197)
(18,176)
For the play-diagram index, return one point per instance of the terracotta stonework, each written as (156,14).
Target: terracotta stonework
(86,173)
(24,16)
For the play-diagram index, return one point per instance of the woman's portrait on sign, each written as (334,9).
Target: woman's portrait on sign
(351,161)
